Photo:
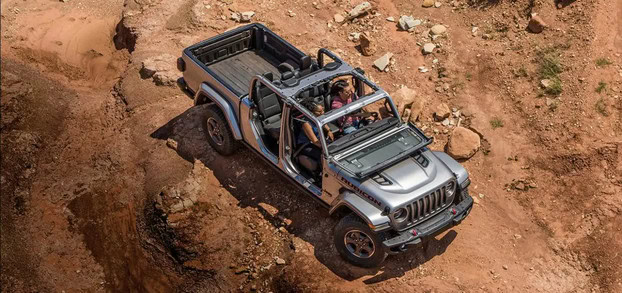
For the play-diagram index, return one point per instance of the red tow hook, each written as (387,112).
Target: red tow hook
(414,232)
(453,211)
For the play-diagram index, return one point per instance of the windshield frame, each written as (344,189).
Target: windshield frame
(355,105)
(425,141)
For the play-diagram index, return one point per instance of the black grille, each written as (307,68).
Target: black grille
(429,205)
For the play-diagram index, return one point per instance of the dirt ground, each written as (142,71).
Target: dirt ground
(95,156)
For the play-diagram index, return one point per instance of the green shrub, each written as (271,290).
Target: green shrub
(600,62)
(496,123)
(601,86)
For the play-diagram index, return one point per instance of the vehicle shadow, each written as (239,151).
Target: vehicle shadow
(254,183)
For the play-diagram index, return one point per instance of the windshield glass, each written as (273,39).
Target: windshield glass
(360,123)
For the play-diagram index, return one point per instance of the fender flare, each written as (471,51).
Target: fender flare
(369,213)
(224,106)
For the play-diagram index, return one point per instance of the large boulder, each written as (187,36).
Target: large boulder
(161,68)
(463,143)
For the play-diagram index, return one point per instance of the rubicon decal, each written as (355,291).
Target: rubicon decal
(359,191)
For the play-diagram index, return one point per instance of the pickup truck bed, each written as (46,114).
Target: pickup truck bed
(238,70)
(235,57)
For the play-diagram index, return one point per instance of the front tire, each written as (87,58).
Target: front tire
(218,132)
(357,243)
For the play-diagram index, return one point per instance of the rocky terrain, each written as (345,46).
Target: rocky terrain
(108,184)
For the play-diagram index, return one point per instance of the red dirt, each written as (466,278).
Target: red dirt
(88,146)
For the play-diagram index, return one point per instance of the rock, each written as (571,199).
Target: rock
(161,68)
(442,112)
(505,267)
(171,143)
(368,45)
(445,122)
(545,83)
(428,48)
(476,200)
(391,19)
(416,109)
(235,16)
(406,114)
(279,261)
(382,62)
(517,236)
(550,101)
(339,18)
(520,186)
(241,270)
(486,37)
(359,10)
(403,98)
(438,29)
(463,143)
(536,24)
(355,37)
(422,69)
(291,13)
(437,4)
(407,22)
(428,3)
(247,16)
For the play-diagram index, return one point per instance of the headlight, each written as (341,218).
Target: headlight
(400,215)
(450,188)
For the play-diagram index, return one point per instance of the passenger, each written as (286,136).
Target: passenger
(342,93)
(309,131)
(308,137)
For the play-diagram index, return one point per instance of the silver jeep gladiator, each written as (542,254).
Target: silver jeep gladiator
(389,190)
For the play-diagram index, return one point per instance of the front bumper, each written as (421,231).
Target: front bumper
(431,227)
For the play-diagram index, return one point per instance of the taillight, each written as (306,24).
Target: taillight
(181,64)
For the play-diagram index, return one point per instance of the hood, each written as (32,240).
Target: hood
(407,180)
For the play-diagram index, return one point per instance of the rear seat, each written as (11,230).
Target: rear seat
(269,109)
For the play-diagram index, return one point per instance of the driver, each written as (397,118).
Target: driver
(342,93)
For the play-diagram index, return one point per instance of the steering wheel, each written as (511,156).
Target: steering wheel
(365,115)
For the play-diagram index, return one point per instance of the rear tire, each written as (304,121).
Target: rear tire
(357,243)
(217,131)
